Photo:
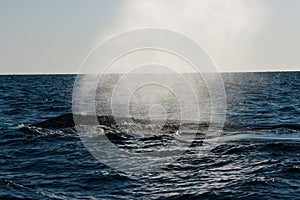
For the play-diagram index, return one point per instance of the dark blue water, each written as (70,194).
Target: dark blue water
(260,159)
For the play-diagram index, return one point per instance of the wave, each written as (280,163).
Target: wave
(257,137)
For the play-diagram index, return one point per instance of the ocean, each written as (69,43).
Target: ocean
(257,155)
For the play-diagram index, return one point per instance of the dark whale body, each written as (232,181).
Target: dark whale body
(66,121)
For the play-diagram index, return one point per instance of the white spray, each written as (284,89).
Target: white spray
(226,28)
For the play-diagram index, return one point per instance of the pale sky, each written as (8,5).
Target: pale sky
(41,36)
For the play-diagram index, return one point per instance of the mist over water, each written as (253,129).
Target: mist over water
(147,95)
(150,73)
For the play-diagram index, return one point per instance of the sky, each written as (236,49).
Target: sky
(40,36)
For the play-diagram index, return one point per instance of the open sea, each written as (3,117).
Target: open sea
(256,157)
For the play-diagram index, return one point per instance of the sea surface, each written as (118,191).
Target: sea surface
(256,157)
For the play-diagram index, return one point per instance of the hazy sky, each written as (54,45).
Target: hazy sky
(41,36)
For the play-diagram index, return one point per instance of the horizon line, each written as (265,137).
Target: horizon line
(222,72)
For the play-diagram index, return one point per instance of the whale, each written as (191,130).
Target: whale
(110,125)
